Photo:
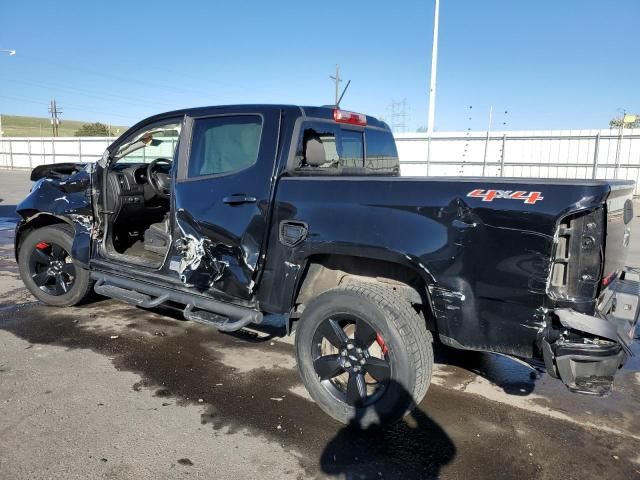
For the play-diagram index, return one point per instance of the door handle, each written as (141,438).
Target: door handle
(238,198)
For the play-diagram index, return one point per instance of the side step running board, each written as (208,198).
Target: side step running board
(224,324)
(129,296)
(223,316)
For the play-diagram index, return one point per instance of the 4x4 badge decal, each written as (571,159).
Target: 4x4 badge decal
(491,195)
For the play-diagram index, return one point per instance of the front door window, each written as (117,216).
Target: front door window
(148,145)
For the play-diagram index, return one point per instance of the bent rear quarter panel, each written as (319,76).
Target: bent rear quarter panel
(486,262)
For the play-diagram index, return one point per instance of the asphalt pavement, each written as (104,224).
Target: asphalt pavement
(108,390)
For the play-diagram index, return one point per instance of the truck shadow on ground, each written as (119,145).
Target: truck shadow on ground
(187,363)
(415,447)
(515,378)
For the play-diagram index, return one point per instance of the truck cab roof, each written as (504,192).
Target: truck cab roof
(322,112)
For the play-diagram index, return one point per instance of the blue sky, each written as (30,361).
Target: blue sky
(549,64)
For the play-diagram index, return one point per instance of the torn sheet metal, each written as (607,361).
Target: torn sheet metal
(588,324)
(63,191)
(197,264)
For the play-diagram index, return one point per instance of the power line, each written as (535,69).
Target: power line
(173,88)
(75,107)
(96,94)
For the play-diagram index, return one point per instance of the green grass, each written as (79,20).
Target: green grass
(19,126)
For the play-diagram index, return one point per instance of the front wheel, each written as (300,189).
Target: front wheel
(364,354)
(47,269)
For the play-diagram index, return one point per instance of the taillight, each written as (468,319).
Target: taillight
(342,116)
(576,269)
(608,278)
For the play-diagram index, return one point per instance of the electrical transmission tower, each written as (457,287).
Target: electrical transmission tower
(398,115)
(55,120)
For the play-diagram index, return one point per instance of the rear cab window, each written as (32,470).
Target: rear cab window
(327,148)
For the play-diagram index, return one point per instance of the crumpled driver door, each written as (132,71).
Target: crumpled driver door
(222,198)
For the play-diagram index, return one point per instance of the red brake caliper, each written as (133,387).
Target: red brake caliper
(381,343)
(42,245)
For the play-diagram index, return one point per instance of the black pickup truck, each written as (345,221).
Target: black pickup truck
(296,218)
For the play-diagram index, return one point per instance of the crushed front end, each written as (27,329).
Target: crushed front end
(593,296)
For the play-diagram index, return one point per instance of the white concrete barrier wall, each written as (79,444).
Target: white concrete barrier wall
(548,154)
(568,154)
(29,152)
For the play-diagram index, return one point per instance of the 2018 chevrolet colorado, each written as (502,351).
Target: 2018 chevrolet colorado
(297,217)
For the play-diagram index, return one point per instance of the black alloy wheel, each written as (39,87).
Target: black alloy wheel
(51,268)
(363,353)
(351,359)
(47,268)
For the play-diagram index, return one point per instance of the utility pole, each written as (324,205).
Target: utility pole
(337,80)
(434,66)
(55,121)
(1,132)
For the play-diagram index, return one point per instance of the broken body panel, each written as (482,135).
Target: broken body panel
(503,265)
(61,193)
(487,265)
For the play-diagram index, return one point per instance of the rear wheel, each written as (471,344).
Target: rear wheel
(364,354)
(47,269)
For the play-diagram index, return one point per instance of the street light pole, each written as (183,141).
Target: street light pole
(434,66)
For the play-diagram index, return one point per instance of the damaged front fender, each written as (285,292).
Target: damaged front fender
(59,197)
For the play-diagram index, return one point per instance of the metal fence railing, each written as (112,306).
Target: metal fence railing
(583,154)
(29,152)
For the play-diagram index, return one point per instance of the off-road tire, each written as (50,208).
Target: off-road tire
(406,336)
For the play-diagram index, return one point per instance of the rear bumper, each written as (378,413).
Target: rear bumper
(587,355)
(586,370)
